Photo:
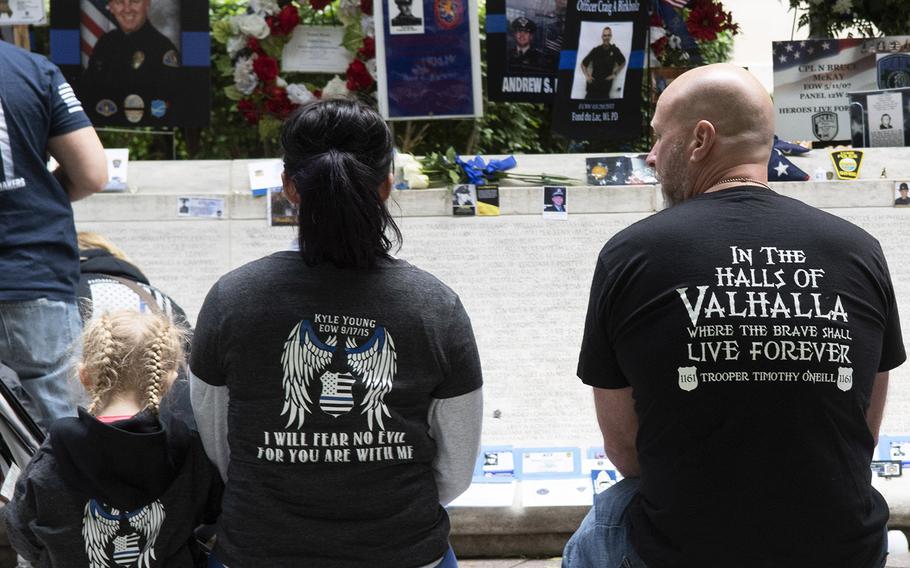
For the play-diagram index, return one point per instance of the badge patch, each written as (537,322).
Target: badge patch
(134,108)
(138,59)
(106,107)
(688,378)
(893,71)
(449,13)
(824,125)
(158,108)
(170,58)
(845,378)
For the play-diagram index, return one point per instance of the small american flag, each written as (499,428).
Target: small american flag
(336,398)
(95,21)
(126,549)
(676,3)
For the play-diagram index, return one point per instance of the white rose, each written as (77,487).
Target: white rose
(281,82)
(403,160)
(244,77)
(367,26)
(235,44)
(299,94)
(411,170)
(657,33)
(252,25)
(418,181)
(335,89)
(266,7)
(675,42)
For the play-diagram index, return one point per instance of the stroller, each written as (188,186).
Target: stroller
(20,435)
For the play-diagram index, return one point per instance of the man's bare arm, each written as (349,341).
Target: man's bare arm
(877,404)
(83,165)
(619,426)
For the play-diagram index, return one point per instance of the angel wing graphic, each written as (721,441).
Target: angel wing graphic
(147,522)
(101,527)
(375,362)
(98,529)
(305,356)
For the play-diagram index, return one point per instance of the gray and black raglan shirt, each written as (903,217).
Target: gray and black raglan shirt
(331,375)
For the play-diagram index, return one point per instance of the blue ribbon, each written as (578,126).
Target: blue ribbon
(479,172)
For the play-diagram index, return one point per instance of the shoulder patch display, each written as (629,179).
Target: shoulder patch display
(158,108)
(106,107)
(170,58)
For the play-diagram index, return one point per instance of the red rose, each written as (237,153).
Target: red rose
(285,21)
(656,20)
(368,51)
(359,79)
(366,6)
(707,18)
(278,103)
(659,46)
(248,109)
(319,4)
(317,93)
(253,44)
(266,68)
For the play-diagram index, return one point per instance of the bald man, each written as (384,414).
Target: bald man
(739,344)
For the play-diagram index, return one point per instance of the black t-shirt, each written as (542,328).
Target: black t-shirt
(331,373)
(750,327)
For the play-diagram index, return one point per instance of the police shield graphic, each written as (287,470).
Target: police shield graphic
(845,378)
(336,398)
(824,125)
(688,378)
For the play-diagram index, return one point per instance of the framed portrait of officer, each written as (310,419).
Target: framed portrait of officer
(603,52)
(135,62)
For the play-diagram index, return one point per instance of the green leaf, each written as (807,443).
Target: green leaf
(273,46)
(450,154)
(232,93)
(353,38)
(224,66)
(222,30)
(269,127)
(453,175)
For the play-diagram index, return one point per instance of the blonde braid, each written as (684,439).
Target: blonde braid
(155,367)
(100,348)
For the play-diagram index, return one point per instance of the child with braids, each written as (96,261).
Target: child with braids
(113,486)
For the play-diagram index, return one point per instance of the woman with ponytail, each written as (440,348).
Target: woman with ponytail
(336,387)
(113,486)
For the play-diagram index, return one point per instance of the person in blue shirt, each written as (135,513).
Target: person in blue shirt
(39,260)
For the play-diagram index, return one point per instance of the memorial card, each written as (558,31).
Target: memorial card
(498,463)
(555,203)
(117,162)
(464,200)
(901,199)
(211,207)
(608,170)
(887,468)
(22,12)
(316,49)
(880,118)
(487,200)
(406,17)
(281,212)
(264,176)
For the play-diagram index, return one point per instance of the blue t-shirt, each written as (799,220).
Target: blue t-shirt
(38,253)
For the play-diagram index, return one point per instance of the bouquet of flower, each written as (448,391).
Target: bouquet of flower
(700,33)
(441,169)
(254,43)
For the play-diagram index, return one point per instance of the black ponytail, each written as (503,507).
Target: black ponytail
(338,153)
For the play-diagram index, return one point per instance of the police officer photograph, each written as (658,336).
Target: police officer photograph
(554,200)
(132,71)
(600,74)
(524,58)
(406,16)
(902,200)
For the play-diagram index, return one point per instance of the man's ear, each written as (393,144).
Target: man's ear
(289,190)
(703,140)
